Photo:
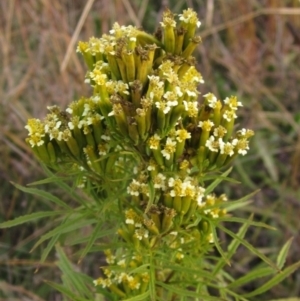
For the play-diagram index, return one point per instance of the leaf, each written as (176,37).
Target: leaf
(283,253)
(67,226)
(275,280)
(49,247)
(187,293)
(66,292)
(232,205)
(216,242)
(242,221)
(152,283)
(29,218)
(91,241)
(269,162)
(44,194)
(250,248)
(65,187)
(250,276)
(216,182)
(66,267)
(233,246)
(139,297)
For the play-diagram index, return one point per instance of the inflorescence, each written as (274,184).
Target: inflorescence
(146,101)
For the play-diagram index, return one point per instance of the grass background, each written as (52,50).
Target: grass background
(250,49)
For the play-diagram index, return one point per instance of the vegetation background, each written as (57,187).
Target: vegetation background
(250,48)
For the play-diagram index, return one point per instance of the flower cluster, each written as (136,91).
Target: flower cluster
(125,282)
(145,123)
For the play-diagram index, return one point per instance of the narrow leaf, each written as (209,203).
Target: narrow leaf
(66,267)
(216,182)
(283,253)
(67,226)
(216,242)
(49,247)
(250,276)
(139,297)
(232,247)
(29,218)
(91,241)
(250,248)
(187,293)
(275,280)
(44,194)
(65,291)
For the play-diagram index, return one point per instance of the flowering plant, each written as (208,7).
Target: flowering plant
(149,155)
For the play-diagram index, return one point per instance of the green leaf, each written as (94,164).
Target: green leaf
(66,292)
(152,283)
(216,182)
(269,160)
(60,182)
(242,202)
(49,247)
(242,221)
(216,242)
(275,280)
(139,297)
(187,293)
(29,218)
(44,194)
(250,248)
(233,246)
(73,277)
(91,241)
(283,253)
(68,225)
(250,276)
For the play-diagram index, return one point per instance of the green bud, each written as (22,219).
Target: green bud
(191,47)
(51,152)
(221,160)
(179,149)
(151,226)
(169,39)
(185,204)
(122,68)
(110,162)
(179,40)
(90,140)
(113,64)
(177,111)
(141,123)
(177,204)
(93,158)
(79,137)
(114,289)
(158,156)
(136,92)
(73,147)
(63,147)
(128,59)
(167,200)
(161,120)
(167,221)
(132,130)
(125,235)
(43,153)
(204,226)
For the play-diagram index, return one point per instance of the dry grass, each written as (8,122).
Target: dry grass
(251,48)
